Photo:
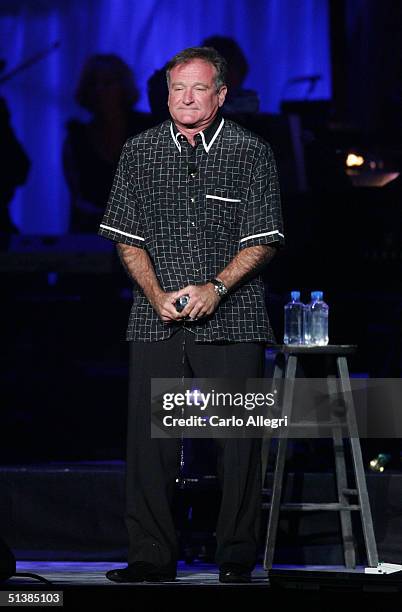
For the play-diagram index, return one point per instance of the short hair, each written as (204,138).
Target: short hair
(207,54)
(85,94)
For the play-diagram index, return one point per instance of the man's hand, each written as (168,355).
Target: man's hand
(163,302)
(203,301)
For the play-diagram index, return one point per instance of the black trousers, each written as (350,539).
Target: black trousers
(153,464)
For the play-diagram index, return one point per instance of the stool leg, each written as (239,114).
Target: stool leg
(290,373)
(361,485)
(342,484)
(266,441)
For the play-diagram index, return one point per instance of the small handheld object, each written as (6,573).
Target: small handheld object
(182,302)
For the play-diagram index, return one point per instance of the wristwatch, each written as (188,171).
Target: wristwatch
(220,288)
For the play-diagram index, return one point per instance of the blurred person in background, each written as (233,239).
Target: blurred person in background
(238,100)
(14,169)
(91,150)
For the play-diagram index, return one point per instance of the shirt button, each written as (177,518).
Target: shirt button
(192,223)
(192,200)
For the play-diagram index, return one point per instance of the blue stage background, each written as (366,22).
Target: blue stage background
(282,39)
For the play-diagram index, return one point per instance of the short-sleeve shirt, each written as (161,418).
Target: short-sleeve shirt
(193,209)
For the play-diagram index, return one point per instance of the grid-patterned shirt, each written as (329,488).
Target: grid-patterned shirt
(194,209)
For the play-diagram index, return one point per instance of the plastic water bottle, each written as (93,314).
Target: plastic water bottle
(316,321)
(294,320)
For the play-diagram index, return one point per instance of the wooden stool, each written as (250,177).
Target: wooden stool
(285,368)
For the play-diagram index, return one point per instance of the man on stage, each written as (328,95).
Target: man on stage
(195,210)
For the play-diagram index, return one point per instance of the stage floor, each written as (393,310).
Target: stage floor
(79,573)
(62,573)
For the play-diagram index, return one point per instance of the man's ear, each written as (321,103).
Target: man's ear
(222,95)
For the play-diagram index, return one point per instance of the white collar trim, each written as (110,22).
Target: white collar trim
(206,147)
(174,136)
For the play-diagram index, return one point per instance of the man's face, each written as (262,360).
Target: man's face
(193,100)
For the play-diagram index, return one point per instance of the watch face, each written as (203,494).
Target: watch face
(219,287)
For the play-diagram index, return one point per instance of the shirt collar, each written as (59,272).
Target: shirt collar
(208,136)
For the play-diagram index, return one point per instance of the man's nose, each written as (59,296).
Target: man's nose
(188,97)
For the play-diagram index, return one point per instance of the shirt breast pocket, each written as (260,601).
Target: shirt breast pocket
(222,208)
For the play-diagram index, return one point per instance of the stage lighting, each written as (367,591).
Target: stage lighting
(354,160)
(378,464)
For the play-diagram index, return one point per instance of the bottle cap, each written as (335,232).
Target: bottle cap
(295,295)
(316,295)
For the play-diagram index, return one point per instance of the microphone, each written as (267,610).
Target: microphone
(192,169)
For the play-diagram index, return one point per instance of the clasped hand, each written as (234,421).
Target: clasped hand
(203,302)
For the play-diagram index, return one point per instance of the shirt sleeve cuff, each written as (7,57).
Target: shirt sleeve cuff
(120,236)
(262,238)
